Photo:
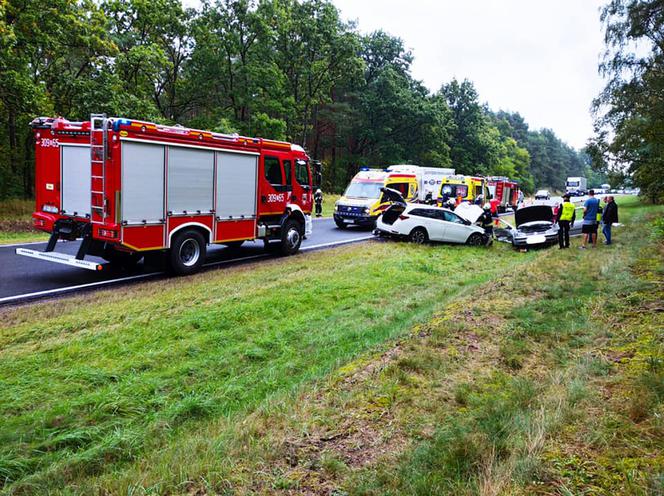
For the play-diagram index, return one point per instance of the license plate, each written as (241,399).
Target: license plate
(533,240)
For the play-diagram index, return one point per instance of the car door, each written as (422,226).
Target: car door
(456,230)
(429,219)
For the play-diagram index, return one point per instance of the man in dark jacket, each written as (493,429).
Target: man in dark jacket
(609,217)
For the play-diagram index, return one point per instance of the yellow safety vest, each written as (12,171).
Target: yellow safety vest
(568,211)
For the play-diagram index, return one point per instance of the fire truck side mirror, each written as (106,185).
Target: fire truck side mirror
(317,173)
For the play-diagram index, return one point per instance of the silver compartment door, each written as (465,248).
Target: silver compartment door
(236,185)
(75,163)
(190,180)
(142,183)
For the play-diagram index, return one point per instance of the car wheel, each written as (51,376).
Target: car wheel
(418,236)
(340,224)
(187,252)
(291,237)
(475,239)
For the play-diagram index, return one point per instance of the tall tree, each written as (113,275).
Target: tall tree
(630,111)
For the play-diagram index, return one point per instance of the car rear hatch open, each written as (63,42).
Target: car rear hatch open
(397,207)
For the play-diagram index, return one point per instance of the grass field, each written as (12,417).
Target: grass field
(16,222)
(383,368)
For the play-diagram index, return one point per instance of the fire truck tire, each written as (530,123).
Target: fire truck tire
(187,252)
(291,237)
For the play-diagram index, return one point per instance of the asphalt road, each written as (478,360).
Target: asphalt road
(23,279)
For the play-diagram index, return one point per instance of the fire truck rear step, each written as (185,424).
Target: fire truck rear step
(61,258)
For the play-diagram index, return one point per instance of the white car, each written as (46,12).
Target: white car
(542,194)
(422,223)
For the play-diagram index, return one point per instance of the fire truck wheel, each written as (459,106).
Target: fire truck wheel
(187,252)
(419,236)
(291,237)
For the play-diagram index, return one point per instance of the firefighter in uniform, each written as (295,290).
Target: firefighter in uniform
(566,218)
(486,220)
(318,199)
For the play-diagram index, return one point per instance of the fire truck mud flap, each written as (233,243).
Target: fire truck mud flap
(61,258)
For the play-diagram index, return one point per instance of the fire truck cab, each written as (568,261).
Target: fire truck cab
(130,188)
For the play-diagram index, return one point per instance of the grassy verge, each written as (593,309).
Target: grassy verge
(16,222)
(96,387)
(547,380)
(329,199)
(380,369)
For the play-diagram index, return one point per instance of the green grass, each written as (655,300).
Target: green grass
(16,222)
(383,368)
(92,384)
(329,199)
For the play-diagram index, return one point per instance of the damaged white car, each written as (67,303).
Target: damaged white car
(423,223)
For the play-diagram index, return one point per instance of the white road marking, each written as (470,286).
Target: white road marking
(55,291)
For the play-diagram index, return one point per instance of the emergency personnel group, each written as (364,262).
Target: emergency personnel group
(593,215)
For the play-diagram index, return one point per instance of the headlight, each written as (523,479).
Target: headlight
(336,207)
(50,209)
(367,210)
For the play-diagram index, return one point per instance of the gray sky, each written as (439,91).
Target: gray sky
(536,57)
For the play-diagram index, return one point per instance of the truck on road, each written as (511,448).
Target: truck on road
(130,189)
(576,186)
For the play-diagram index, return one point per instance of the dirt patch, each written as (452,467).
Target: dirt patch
(16,226)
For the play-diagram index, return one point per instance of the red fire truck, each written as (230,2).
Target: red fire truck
(130,188)
(504,193)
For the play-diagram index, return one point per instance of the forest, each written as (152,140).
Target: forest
(284,69)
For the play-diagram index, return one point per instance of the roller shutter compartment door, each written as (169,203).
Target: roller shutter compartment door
(236,185)
(75,162)
(190,180)
(142,183)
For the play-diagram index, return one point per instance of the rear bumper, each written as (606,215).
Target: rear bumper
(61,258)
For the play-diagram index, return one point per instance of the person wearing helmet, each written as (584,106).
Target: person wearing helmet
(318,199)
(486,220)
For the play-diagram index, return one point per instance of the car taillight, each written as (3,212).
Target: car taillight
(107,233)
(403,217)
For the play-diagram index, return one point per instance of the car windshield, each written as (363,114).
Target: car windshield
(542,192)
(361,189)
(574,184)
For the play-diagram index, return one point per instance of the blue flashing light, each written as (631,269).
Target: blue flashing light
(364,168)
(121,122)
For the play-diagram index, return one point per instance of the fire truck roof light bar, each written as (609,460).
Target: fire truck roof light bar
(62,258)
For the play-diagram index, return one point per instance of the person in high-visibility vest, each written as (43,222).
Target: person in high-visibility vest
(566,217)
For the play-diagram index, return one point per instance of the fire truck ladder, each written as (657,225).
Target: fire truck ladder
(98,150)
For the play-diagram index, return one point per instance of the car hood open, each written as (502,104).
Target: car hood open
(469,212)
(536,213)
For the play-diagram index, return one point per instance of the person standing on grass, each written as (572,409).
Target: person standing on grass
(566,218)
(589,228)
(609,217)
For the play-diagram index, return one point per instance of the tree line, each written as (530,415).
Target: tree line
(281,69)
(629,138)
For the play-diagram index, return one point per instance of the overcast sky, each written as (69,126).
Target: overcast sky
(536,57)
